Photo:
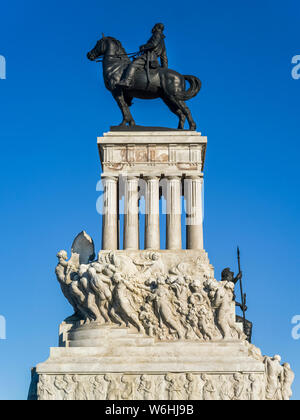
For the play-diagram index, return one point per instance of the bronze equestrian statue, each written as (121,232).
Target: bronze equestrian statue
(144,78)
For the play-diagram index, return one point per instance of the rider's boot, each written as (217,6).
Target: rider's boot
(127,81)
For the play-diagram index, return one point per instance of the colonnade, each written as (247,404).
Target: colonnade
(173,194)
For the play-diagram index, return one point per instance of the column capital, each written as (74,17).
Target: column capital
(109,178)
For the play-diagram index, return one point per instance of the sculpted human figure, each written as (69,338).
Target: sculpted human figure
(129,387)
(81,393)
(101,284)
(59,384)
(45,389)
(113,388)
(79,298)
(63,271)
(255,388)
(154,48)
(145,387)
(238,386)
(208,388)
(205,322)
(90,298)
(288,377)
(222,301)
(155,266)
(174,387)
(274,373)
(122,306)
(148,319)
(98,388)
(192,387)
(69,389)
(163,307)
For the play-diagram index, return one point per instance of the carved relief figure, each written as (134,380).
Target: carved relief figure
(128,392)
(192,386)
(98,388)
(145,387)
(122,303)
(63,271)
(238,386)
(223,298)
(59,384)
(113,388)
(45,388)
(163,307)
(101,286)
(255,388)
(288,377)
(274,372)
(69,389)
(81,392)
(208,388)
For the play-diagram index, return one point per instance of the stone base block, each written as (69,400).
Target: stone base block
(122,364)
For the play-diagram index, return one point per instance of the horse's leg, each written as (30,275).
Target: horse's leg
(185,109)
(127,117)
(176,110)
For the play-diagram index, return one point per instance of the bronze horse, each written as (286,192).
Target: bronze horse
(162,83)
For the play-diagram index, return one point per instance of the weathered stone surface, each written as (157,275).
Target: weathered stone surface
(173,153)
(166,386)
(152,324)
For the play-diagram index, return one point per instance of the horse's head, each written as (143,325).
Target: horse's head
(107,45)
(98,50)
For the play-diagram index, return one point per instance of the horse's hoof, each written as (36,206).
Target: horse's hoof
(131,124)
(193,127)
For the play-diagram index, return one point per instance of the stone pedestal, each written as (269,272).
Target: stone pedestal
(153,323)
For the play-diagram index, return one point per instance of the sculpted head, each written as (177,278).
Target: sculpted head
(62,255)
(155,256)
(277,357)
(189,377)
(227,275)
(117,278)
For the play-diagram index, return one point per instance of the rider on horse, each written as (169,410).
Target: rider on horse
(150,52)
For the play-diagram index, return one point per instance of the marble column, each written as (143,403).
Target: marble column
(152,234)
(174,212)
(131,213)
(110,214)
(194,214)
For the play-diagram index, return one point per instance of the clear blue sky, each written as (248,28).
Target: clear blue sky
(53,105)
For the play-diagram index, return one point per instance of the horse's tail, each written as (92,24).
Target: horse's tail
(195,86)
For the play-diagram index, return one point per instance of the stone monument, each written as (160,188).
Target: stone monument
(152,323)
